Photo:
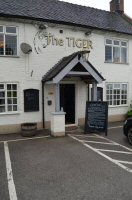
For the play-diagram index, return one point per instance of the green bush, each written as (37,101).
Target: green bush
(129,113)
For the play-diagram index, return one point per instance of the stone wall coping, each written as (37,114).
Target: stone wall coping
(58,113)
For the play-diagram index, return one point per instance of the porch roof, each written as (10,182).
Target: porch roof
(70,62)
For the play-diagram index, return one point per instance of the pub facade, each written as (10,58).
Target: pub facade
(54,60)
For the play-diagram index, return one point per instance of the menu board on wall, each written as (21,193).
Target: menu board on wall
(96,118)
(31,100)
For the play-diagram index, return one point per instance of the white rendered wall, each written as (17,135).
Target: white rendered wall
(110,71)
(19,70)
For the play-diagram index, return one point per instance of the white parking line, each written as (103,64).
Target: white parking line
(25,139)
(113,151)
(114,142)
(102,154)
(124,162)
(99,142)
(11,185)
(87,136)
(114,127)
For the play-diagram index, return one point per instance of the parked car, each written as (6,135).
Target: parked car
(127,129)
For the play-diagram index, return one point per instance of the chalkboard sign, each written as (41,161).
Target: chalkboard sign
(96,119)
(31,100)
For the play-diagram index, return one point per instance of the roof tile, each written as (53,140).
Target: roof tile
(62,12)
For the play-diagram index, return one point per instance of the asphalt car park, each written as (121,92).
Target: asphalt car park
(67,168)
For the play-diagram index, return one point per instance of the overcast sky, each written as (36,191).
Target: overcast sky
(102,4)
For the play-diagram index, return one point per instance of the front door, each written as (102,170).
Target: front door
(67,101)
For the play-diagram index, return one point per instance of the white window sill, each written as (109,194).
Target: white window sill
(10,113)
(9,56)
(117,106)
(116,63)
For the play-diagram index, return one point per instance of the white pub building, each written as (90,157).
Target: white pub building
(55,56)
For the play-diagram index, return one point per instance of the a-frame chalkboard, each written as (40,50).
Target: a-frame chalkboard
(96,117)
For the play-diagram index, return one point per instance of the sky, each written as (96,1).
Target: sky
(102,4)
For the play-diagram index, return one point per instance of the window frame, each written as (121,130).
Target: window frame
(4,34)
(117,94)
(6,97)
(120,46)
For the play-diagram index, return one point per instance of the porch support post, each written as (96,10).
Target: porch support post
(94,86)
(57,117)
(57,97)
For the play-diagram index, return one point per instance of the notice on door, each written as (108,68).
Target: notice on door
(96,118)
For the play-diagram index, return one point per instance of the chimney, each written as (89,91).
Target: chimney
(117,6)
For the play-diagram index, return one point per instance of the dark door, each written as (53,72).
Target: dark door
(67,101)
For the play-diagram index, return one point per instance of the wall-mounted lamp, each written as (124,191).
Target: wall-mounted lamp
(40,25)
(43,26)
(88,33)
(85,55)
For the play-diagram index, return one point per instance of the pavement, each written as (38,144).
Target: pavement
(66,168)
(17,136)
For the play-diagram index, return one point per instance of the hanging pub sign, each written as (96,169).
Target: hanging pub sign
(96,118)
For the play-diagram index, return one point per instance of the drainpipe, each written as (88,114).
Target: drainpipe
(43,117)
(88,92)
(94,86)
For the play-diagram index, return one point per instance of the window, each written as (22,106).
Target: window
(116,51)
(31,100)
(116,94)
(8,98)
(8,40)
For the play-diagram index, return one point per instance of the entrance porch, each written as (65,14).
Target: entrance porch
(69,74)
